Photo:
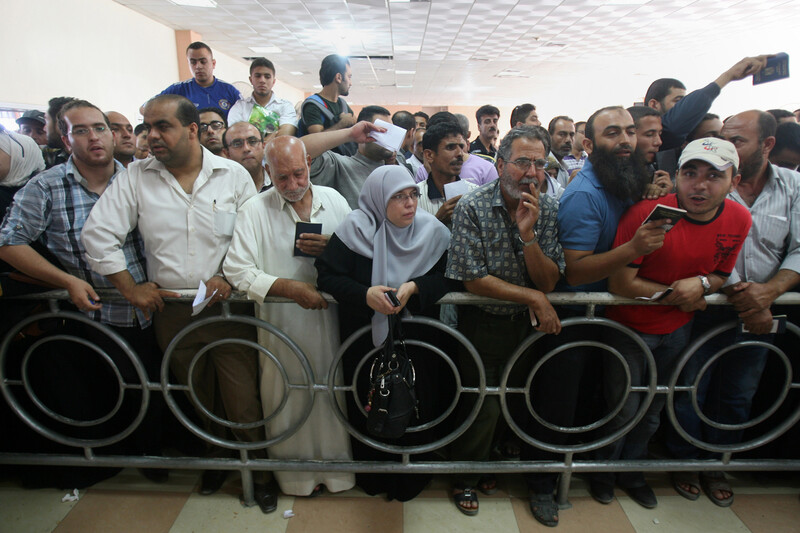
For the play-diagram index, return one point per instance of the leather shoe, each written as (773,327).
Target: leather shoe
(643,495)
(156,475)
(601,492)
(212,480)
(266,497)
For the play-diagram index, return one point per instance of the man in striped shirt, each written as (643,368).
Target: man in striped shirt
(768,266)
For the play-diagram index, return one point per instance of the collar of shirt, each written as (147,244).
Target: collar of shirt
(316,202)
(251,100)
(210,164)
(588,172)
(433,191)
(72,170)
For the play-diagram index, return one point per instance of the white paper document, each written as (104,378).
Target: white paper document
(392,138)
(455,188)
(200,301)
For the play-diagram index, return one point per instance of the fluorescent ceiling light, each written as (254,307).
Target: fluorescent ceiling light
(296,73)
(402,103)
(195,3)
(265,49)
(404,86)
(405,71)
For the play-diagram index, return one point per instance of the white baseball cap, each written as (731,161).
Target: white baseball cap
(719,153)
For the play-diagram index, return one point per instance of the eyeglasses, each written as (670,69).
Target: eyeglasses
(215,125)
(239,143)
(524,164)
(80,131)
(401,198)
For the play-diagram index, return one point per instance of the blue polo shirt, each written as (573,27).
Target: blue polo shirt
(588,216)
(219,94)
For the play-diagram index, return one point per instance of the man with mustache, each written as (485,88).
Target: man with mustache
(562,133)
(124,140)
(506,247)
(697,256)
(661,165)
(768,266)
(483,146)
(272,116)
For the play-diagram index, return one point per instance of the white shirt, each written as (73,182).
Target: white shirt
(415,163)
(185,235)
(26,158)
(240,112)
(263,243)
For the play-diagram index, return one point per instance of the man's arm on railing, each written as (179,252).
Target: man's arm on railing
(495,287)
(30,262)
(145,296)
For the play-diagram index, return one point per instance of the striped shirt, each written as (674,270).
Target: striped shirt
(52,208)
(774,240)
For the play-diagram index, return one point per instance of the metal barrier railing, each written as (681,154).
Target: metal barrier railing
(12,390)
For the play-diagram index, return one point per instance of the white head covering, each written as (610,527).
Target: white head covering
(398,254)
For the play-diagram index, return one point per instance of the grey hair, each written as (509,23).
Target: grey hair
(463,121)
(534,133)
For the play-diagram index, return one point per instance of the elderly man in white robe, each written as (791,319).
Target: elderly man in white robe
(262,262)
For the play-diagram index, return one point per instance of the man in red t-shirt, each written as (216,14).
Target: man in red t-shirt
(697,256)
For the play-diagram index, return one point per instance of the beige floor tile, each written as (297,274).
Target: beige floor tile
(434,515)
(32,511)
(222,513)
(346,515)
(585,515)
(675,514)
(132,479)
(123,511)
(768,513)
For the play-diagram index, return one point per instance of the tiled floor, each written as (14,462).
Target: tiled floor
(129,503)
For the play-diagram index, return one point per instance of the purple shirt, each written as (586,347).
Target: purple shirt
(475,170)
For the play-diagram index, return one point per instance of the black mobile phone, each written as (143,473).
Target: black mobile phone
(390,295)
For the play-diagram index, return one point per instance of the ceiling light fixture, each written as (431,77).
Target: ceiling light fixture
(195,3)
(265,49)
(296,73)
(405,71)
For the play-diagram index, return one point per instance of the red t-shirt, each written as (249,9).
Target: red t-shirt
(690,249)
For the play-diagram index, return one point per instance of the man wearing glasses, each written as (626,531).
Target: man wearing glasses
(245,145)
(212,129)
(507,248)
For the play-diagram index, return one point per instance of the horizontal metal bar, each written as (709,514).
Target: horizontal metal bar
(457,298)
(431,467)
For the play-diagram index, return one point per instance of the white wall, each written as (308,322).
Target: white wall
(97,50)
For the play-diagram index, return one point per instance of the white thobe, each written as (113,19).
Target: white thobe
(261,252)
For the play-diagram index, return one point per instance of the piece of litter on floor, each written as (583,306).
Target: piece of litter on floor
(288,513)
(71,497)
(655,520)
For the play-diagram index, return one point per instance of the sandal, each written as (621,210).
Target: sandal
(467,495)
(544,509)
(714,481)
(319,489)
(488,484)
(692,479)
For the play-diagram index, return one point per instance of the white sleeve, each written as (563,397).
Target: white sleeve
(240,262)
(113,216)
(236,114)
(288,114)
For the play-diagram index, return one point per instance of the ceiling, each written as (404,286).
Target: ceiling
(579,54)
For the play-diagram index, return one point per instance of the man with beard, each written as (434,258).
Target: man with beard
(483,146)
(346,174)
(124,140)
(660,165)
(697,257)
(506,247)
(562,132)
(55,153)
(768,266)
(327,110)
(212,128)
(245,145)
(272,116)
(184,202)
(260,262)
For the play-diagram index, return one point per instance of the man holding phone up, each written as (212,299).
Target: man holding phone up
(697,256)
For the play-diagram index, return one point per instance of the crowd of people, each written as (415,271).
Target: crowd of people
(255,195)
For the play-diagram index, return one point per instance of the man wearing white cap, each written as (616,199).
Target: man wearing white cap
(697,256)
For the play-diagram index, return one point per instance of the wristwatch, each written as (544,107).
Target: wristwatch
(706,284)
(532,241)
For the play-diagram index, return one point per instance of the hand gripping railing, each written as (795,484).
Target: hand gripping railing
(12,388)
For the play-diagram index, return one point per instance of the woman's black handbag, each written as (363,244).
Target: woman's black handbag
(392,399)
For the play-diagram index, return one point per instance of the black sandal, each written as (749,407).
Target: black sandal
(544,509)
(467,494)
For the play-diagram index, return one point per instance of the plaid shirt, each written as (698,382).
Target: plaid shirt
(485,242)
(571,162)
(52,208)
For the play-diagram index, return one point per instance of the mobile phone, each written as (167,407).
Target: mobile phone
(390,295)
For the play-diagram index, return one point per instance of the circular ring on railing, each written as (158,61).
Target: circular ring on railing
(6,384)
(49,412)
(607,439)
(480,391)
(766,437)
(169,388)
